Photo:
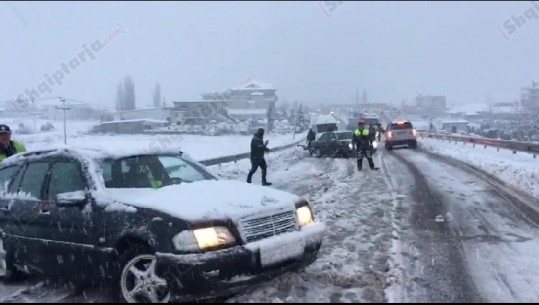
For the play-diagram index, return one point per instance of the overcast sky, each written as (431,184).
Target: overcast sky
(310,51)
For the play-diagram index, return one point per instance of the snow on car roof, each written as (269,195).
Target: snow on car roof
(95,152)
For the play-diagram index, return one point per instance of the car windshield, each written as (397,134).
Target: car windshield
(344,135)
(405,125)
(326,127)
(153,171)
(372,121)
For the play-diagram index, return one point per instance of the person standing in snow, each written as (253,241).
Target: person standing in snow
(379,131)
(258,149)
(362,142)
(310,138)
(8,147)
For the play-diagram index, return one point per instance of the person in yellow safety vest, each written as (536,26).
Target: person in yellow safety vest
(362,141)
(8,147)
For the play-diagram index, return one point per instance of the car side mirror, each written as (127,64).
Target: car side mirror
(71,199)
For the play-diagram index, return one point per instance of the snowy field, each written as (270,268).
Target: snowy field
(198,147)
(520,171)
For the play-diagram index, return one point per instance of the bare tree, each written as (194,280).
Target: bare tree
(157,96)
(364,99)
(120,97)
(129,91)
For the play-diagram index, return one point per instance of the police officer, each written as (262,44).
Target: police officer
(8,147)
(362,141)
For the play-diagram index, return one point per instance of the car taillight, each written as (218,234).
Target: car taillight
(389,134)
(415,133)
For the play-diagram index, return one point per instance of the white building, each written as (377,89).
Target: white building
(160,114)
(248,114)
(255,95)
(529,98)
(455,126)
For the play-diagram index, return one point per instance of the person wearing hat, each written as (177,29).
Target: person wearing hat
(258,148)
(362,141)
(8,147)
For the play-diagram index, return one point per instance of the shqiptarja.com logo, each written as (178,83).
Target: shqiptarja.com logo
(330,6)
(511,25)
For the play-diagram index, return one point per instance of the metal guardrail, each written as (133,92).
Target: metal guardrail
(504,144)
(234,158)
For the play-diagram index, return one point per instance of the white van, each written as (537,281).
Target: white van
(324,123)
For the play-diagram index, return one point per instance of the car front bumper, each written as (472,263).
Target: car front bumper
(401,142)
(226,272)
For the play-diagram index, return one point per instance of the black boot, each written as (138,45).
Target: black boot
(264,182)
(264,174)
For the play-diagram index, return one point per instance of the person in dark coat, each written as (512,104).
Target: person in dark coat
(380,131)
(362,141)
(258,149)
(311,136)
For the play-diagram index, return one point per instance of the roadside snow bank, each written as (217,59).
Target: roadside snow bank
(520,171)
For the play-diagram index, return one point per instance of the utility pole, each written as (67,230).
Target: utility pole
(64,108)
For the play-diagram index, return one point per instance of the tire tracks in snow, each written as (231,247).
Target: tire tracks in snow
(496,227)
(430,257)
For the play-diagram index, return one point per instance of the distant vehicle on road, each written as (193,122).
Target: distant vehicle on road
(324,123)
(371,119)
(399,134)
(333,144)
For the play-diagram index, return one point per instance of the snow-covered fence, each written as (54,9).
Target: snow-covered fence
(485,142)
(234,158)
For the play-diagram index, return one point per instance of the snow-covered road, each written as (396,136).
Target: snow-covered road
(419,230)
(469,240)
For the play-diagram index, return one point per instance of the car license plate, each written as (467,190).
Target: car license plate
(280,251)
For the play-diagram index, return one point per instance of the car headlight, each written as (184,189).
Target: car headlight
(374,144)
(350,146)
(305,216)
(201,239)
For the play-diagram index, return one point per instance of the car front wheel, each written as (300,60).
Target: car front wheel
(7,265)
(138,281)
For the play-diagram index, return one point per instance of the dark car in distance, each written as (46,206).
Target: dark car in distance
(333,144)
(156,227)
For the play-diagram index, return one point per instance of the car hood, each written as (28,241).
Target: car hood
(209,199)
